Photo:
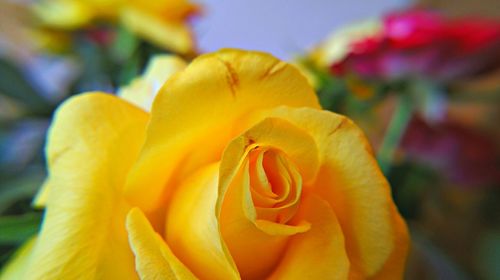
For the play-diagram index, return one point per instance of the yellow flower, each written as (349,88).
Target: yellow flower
(235,173)
(142,91)
(311,77)
(162,22)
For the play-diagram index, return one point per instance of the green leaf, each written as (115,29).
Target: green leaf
(129,70)
(124,46)
(489,254)
(411,184)
(24,186)
(17,229)
(95,67)
(395,131)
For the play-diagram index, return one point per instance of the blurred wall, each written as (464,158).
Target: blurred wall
(282,27)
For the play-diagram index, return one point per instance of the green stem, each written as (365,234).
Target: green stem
(397,126)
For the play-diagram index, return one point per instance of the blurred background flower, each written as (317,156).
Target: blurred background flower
(424,44)
(161,22)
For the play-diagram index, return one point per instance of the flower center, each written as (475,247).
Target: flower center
(275,185)
(258,213)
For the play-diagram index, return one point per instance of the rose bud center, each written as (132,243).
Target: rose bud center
(275,185)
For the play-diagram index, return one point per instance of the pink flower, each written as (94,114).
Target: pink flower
(425,44)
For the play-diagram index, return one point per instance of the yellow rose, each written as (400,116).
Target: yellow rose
(235,173)
(162,22)
(142,90)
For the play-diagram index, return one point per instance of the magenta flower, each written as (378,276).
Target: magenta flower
(425,44)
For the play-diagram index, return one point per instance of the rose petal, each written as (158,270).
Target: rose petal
(235,84)
(298,145)
(92,143)
(351,181)
(15,269)
(192,229)
(245,235)
(153,258)
(319,253)
(394,267)
(142,90)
